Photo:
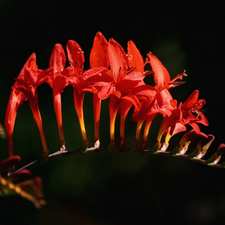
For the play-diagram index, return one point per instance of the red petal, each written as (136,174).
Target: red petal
(191,100)
(178,129)
(93,72)
(145,90)
(118,60)
(59,84)
(106,91)
(161,75)
(99,53)
(135,76)
(134,100)
(58,59)
(193,136)
(164,99)
(75,55)
(135,59)
(29,64)
(195,127)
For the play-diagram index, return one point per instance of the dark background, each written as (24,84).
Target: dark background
(115,188)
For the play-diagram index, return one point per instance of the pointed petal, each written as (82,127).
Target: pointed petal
(161,75)
(118,60)
(75,56)
(93,72)
(99,53)
(191,100)
(145,90)
(134,100)
(58,59)
(138,76)
(106,91)
(135,59)
(30,63)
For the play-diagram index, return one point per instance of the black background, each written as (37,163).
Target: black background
(116,188)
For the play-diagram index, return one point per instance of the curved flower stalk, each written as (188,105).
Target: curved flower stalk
(120,77)
(31,189)
(25,87)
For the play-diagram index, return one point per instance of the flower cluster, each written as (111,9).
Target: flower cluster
(119,76)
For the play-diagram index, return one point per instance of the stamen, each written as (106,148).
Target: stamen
(131,69)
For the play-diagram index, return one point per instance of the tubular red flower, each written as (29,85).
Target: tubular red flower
(119,81)
(24,88)
(191,111)
(57,64)
(124,83)
(155,99)
(84,81)
(98,58)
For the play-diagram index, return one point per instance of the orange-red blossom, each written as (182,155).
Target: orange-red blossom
(113,74)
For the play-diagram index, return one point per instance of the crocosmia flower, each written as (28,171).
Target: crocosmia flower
(82,81)
(25,88)
(157,99)
(119,81)
(58,82)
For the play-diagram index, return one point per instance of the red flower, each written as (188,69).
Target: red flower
(186,113)
(125,73)
(191,111)
(124,81)
(84,82)
(24,88)
(99,58)
(155,99)
(73,75)
(58,83)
